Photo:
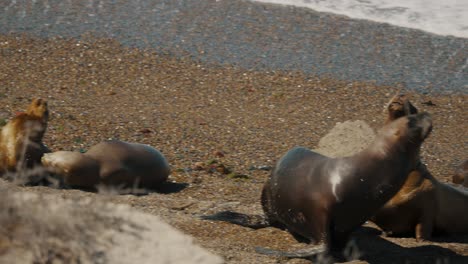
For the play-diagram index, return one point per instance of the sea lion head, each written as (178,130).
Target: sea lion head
(36,118)
(39,109)
(76,169)
(406,133)
(399,106)
(420,126)
(61,162)
(412,128)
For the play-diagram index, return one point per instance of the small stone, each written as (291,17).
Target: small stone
(199,166)
(218,153)
(235,175)
(221,168)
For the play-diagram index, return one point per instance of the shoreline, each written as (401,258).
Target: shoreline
(262,37)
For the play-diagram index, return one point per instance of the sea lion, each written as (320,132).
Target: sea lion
(21,143)
(322,198)
(461,174)
(424,205)
(318,198)
(111,163)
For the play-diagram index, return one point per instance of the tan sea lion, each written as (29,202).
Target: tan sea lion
(424,205)
(21,143)
(112,163)
(461,174)
(318,198)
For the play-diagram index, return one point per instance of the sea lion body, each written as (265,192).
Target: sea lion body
(21,143)
(423,207)
(321,198)
(113,162)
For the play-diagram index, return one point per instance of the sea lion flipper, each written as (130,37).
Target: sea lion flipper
(252,221)
(301,253)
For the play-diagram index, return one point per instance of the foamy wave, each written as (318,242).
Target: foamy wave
(447,17)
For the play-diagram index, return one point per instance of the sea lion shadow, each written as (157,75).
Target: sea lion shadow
(170,187)
(163,188)
(380,250)
(451,239)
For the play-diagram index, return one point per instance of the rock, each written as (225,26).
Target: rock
(90,231)
(198,166)
(346,139)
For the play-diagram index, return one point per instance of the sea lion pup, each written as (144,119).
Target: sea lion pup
(424,205)
(21,138)
(461,174)
(318,198)
(111,163)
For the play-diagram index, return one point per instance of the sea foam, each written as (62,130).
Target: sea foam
(448,17)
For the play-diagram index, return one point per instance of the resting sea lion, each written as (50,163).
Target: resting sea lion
(424,205)
(318,198)
(461,174)
(112,162)
(21,138)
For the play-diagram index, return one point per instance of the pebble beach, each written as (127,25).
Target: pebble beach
(232,83)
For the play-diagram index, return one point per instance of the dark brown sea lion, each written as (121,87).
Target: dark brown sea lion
(461,174)
(318,198)
(322,198)
(21,138)
(424,205)
(112,163)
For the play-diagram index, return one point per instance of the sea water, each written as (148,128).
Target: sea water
(443,17)
(252,35)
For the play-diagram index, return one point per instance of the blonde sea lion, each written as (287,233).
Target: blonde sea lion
(322,199)
(112,163)
(21,138)
(424,205)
